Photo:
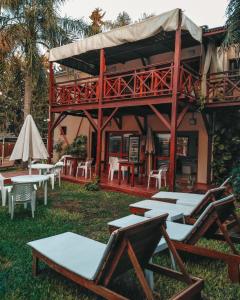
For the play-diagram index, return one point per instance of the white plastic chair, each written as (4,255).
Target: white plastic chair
(22,193)
(55,173)
(159,174)
(114,167)
(85,166)
(4,190)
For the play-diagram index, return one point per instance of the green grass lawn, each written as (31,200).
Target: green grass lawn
(72,208)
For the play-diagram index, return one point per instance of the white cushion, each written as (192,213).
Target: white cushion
(178,232)
(127,221)
(172,215)
(179,196)
(186,210)
(74,252)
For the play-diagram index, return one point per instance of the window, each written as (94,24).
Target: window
(234,65)
(63,130)
(162,143)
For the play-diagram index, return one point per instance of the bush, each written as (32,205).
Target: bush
(236,180)
(78,147)
(93,186)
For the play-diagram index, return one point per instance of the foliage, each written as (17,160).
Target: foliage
(78,147)
(27,30)
(97,22)
(74,209)
(122,19)
(235,180)
(226,144)
(233,25)
(93,186)
(58,148)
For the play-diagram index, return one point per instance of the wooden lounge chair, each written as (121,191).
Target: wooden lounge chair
(94,265)
(186,198)
(191,212)
(209,224)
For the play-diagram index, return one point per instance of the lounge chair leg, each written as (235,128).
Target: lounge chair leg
(139,273)
(233,272)
(35,265)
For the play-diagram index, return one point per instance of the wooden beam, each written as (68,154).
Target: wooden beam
(160,116)
(182,114)
(109,118)
(79,127)
(209,130)
(139,124)
(176,73)
(90,119)
(100,113)
(118,122)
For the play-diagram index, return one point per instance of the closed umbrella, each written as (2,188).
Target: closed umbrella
(29,144)
(150,148)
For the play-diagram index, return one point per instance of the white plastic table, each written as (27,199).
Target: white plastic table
(33,179)
(43,168)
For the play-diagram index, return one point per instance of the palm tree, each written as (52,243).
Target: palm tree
(27,29)
(233,25)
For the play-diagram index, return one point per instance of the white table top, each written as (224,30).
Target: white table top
(29,178)
(42,166)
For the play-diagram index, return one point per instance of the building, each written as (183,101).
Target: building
(164,73)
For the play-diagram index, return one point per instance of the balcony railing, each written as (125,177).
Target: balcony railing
(151,81)
(223,87)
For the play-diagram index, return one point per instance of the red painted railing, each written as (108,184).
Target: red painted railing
(76,91)
(155,81)
(189,84)
(151,81)
(223,86)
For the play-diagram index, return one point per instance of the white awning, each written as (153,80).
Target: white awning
(167,21)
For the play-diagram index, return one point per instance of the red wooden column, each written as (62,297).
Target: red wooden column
(51,115)
(100,113)
(176,72)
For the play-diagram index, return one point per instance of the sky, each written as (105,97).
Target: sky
(202,12)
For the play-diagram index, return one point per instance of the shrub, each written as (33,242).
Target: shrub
(93,186)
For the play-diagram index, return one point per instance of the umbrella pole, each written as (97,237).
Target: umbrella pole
(30,166)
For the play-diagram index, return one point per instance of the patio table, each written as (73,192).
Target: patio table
(131,167)
(33,179)
(43,168)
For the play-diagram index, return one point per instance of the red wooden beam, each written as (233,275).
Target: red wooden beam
(182,114)
(100,113)
(90,119)
(176,73)
(118,122)
(160,116)
(109,118)
(117,103)
(139,124)
(79,127)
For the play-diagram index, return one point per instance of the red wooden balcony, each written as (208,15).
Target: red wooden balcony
(151,81)
(223,87)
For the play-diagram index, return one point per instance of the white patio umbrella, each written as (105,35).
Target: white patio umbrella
(149,148)
(29,144)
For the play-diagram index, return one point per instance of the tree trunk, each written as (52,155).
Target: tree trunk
(27,95)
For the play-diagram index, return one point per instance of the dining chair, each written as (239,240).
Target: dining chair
(22,193)
(159,174)
(85,167)
(4,189)
(114,167)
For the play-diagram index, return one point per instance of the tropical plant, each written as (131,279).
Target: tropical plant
(226,145)
(96,18)
(78,147)
(27,29)
(122,19)
(233,25)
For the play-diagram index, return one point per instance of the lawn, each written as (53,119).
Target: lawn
(72,208)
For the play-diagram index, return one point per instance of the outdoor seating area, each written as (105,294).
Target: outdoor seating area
(119,150)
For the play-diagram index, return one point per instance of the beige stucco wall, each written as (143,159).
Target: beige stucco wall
(129,124)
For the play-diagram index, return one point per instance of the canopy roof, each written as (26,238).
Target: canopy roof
(141,39)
